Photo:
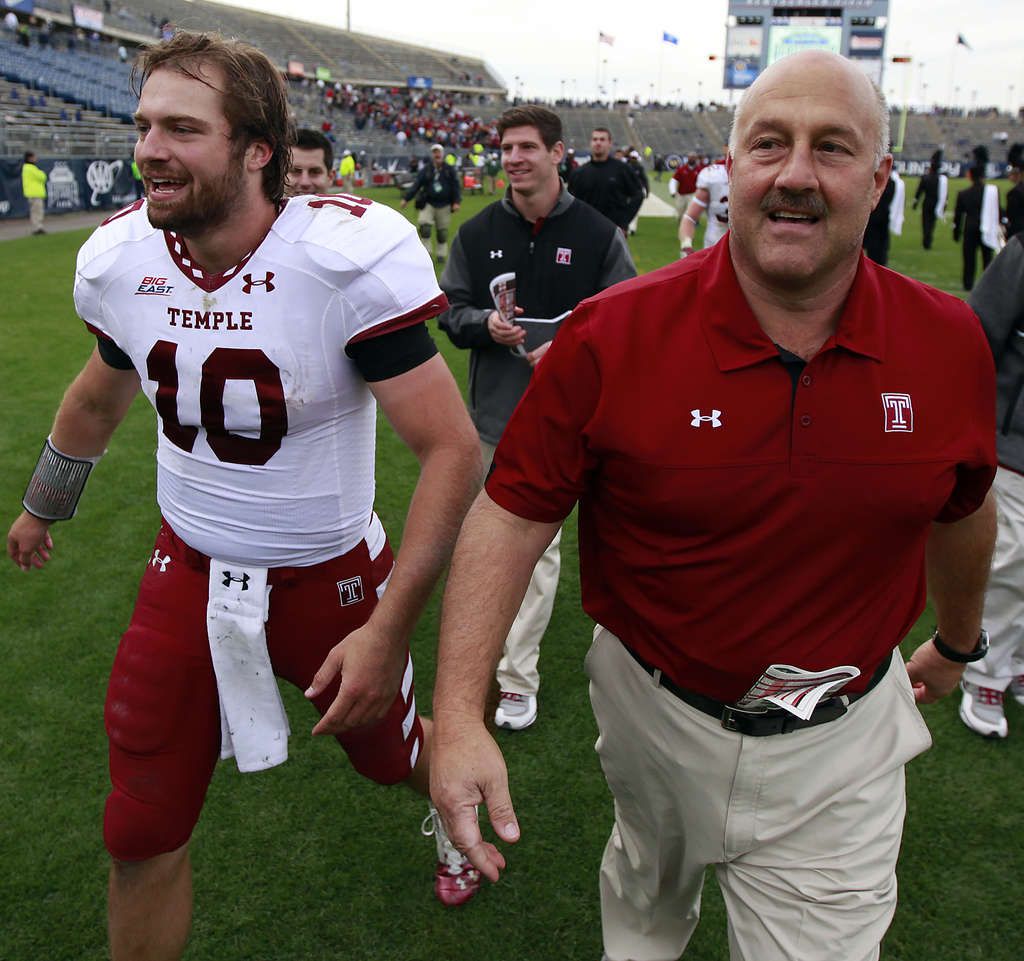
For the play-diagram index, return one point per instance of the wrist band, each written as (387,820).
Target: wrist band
(56,484)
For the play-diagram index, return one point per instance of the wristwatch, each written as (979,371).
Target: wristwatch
(951,654)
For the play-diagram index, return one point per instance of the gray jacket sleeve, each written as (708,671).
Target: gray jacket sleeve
(463,322)
(618,262)
(998,297)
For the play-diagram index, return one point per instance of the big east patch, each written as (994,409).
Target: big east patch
(155,286)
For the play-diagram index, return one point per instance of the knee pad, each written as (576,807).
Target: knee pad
(442,235)
(425,231)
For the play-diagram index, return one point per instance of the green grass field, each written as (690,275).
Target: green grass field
(310,861)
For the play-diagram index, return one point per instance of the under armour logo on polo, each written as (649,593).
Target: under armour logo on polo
(563,255)
(162,561)
(497,254)
(350,591)
(265,283)
(714,418)
(899,413)
(243,580)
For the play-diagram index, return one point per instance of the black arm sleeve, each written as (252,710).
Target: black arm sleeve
(112,355)
(392,354)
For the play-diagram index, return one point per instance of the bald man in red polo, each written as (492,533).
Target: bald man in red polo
(778,449)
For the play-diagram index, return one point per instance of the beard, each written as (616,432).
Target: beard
(208,204)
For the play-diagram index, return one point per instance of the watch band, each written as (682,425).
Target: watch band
(951,654)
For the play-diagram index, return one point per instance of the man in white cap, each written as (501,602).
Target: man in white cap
(438,195)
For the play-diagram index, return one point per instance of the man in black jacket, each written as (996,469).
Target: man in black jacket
(606,183)
(558,251)
(967,222)
(438,195)
(1015,197)
(931,189)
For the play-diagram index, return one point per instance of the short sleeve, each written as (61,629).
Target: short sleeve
(543,463)
(977,465)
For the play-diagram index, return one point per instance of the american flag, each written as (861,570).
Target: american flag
(605,38)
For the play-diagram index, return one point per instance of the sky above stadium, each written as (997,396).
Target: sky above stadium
(545,49)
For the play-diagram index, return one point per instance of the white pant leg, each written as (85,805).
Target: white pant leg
(517,670)
(803,828)
(1004,599)
(36,209)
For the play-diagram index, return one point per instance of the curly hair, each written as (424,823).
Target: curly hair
(255,98)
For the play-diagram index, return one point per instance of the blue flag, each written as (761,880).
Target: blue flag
(668,38)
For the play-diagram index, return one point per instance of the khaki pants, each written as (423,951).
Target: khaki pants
(517,670)
(440,219)
(1004,599)
(36,209)
(803,829)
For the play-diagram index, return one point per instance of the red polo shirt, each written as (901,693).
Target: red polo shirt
(728,522)
(686,177)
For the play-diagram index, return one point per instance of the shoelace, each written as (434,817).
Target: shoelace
(447,852)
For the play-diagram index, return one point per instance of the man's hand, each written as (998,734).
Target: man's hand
(455,207)
(467,769)
(535,355)
(504,333)
(403,203)
(29,542)
(932,675)
(371,673)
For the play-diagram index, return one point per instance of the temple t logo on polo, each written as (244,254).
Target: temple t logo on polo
(243,580)
(899,413)
(699,418)
(350,591)
(265,283)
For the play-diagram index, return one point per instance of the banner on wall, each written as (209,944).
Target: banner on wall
(72,185)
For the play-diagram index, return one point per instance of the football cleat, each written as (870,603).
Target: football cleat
(456,881)
(515,711)
(981,709)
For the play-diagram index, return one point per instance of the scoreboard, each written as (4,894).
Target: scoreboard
(759,32)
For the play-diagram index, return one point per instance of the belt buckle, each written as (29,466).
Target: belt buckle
(731,717)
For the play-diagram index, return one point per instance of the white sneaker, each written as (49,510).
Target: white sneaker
(456,881)
(981,709)
(1017,689)
(515,711)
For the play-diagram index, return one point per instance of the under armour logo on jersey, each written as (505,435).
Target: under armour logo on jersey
(714,418)
(350,591)
(162,561)
(497,254)
(265,283)
(899,413)
(243,580)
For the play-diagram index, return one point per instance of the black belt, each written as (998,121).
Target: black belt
(763,723)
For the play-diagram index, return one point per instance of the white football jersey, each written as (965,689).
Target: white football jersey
(715,180)
(266,429)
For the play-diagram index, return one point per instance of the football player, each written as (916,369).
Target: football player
(265,333)
(712,195)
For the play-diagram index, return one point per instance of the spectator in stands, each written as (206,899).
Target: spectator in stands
(347,170)
(560,251)
(33,185)
(438,195)
(311,164)
(932,189)
(970,215)
(606,183)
